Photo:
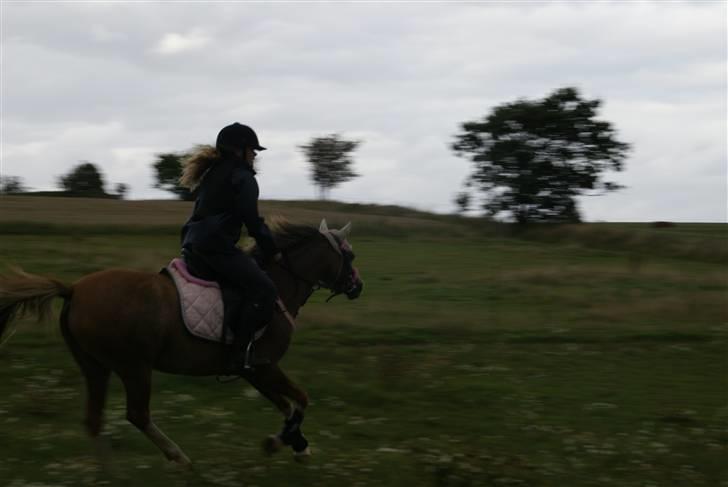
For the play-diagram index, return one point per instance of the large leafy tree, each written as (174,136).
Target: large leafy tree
(330,158)
(168,169)
(532,158)
(84,179)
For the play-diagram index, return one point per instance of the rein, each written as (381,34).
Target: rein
(282,308)
(8,337)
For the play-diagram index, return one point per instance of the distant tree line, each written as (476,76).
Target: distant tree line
(85,180)
(530,160)
(11,185)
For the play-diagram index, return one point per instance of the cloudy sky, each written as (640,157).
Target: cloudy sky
(117,83)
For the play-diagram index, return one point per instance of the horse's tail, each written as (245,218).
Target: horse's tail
(22,293)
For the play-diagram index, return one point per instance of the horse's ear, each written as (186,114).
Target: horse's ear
(345,231)
(323,227)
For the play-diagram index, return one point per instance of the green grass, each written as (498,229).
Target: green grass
(472,359)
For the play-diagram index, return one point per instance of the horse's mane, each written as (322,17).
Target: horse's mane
(287,234)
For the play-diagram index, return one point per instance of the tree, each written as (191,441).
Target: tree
(11,184)
(462,200)
(121,190)
(330,159)
(532,158)
(168,168)
(83,180)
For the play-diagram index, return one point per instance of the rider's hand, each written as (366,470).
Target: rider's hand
(278,257)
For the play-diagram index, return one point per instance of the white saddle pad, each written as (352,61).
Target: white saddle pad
(200,302)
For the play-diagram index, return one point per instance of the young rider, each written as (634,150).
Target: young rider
(226,191)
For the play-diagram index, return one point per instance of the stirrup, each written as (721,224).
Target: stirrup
(248,361)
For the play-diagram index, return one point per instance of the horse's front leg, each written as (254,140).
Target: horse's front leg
(292,436)
(273,383)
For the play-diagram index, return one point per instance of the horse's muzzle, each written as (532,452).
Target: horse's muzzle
(355,290)
(352,286)
(356,285)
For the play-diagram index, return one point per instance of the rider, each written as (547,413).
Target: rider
(226,190)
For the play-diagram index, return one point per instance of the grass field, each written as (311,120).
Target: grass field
(592,355)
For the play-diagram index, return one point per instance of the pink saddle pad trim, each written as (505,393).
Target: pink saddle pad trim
(202,307)
(180,265)
(200,303)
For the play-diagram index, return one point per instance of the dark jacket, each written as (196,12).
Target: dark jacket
(227,198)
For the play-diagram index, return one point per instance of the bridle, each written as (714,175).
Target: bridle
(345,274)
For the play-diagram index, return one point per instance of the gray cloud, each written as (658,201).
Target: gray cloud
(118,83)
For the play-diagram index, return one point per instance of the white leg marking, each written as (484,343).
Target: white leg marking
(168,447)
(302,456)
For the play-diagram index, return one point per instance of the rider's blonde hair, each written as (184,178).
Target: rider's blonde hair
(196,164)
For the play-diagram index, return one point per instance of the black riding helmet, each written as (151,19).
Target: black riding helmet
(238,136)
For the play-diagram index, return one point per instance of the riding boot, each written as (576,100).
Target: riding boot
(234,318)
(254,321)
(244,331)
(238,357)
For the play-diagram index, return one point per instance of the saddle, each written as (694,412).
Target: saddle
(201,304)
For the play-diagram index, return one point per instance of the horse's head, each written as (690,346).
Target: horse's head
(320,257)
(347,279)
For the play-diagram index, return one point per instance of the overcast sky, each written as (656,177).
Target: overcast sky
(117,83)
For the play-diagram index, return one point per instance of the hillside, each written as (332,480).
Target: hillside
(61,216)
(26,212)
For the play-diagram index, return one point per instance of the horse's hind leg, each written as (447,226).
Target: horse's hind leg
(97,381)
(138,382)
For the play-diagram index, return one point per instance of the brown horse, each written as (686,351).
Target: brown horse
(129,322)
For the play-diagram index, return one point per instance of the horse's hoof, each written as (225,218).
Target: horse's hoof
(272,445)
(178,456)
(302,456)
(183,461)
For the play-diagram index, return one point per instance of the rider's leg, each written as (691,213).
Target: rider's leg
(236,270)
(260,302)
(211,266)
(233,318)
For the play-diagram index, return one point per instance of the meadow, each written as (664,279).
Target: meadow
(478,355)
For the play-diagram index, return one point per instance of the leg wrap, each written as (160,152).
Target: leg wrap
(291,434)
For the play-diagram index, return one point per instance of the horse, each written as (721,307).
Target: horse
(130,323)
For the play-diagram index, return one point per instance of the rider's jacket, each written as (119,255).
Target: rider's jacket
(227,198)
